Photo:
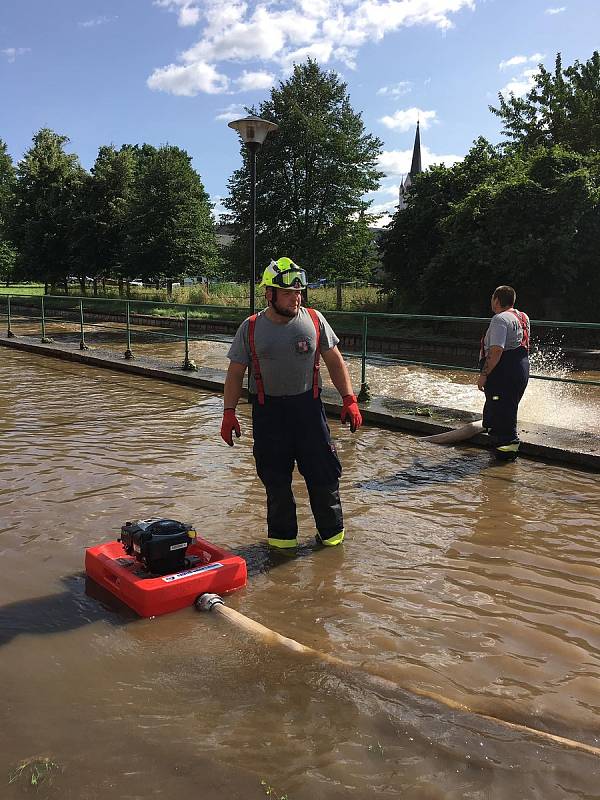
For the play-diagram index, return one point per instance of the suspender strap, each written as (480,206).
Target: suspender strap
(523,320)
(255,365)
(316,365)
(260,388)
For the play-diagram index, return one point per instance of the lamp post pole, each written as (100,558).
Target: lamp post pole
(253,131)
(253,149)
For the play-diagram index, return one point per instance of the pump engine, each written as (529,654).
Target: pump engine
(159,544)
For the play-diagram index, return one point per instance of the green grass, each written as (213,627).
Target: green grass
(220,301)
(229,302)
(23,288)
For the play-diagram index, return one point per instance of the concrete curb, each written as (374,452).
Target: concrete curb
(538,441)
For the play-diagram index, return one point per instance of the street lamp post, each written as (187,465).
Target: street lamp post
(253,131)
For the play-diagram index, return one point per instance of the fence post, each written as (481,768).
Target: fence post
(45,339)
(187,364)
(82,344)
(128,353)
(365,392)
(9,333)
(338,298)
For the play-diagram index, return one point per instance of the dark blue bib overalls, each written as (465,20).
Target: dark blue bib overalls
(291,430)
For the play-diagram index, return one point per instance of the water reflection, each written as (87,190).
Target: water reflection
(422,471)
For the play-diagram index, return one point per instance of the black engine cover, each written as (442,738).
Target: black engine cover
(160,544)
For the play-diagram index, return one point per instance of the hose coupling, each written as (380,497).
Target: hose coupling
(207,601)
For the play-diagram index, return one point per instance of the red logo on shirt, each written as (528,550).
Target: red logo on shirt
(303,346)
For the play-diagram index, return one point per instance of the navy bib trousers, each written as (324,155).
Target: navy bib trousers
(293,430)
(504,389)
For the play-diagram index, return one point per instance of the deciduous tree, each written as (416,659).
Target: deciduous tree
(172,231)
(312,176)
(101,229)
(48,180)
(7,198)
(562,108)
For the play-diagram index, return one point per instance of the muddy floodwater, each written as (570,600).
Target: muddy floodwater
(476,581)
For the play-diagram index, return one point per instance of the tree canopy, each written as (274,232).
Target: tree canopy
(7,191)
(48,182)
(526,213)
(171,226)
(562,108)
(312,176)
(140,210)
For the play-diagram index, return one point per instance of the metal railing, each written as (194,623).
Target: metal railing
(359,324)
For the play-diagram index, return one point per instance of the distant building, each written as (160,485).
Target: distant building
(415,168)
(225,235)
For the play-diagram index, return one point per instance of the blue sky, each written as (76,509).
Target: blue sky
(176,71)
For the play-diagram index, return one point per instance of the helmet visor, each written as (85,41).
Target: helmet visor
(290,279)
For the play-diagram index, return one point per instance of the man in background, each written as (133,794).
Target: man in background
(504,365)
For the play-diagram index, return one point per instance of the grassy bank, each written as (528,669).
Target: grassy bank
(219,301)
(23,289)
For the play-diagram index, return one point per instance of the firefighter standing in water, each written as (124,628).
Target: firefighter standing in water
(504,365)
(283,345)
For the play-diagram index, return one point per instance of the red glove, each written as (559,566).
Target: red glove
(230,424)
(351,412)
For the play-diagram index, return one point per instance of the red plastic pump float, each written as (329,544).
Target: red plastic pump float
(162,565)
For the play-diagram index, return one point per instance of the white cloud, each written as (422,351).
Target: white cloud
(320,51)
(12,53)
(517,61)
(217,207)
(405,119)
(188,80)
(92,23)
(187,12)
(254,80)
(396,90)
(520,85)
(267,32)
(233,111)
(189,15)
(397,162)
(384,202)
(556,10)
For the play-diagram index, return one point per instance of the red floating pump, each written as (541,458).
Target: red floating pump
(161,565)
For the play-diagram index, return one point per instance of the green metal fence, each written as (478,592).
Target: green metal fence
(113,323)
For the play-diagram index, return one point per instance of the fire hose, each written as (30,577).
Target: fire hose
(213,602)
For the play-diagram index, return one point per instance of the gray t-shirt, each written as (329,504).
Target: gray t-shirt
(505,331)
(286,352)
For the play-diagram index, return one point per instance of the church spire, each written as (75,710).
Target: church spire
(415,166)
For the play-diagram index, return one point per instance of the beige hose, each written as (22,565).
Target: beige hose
(209,602)
(456,434)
